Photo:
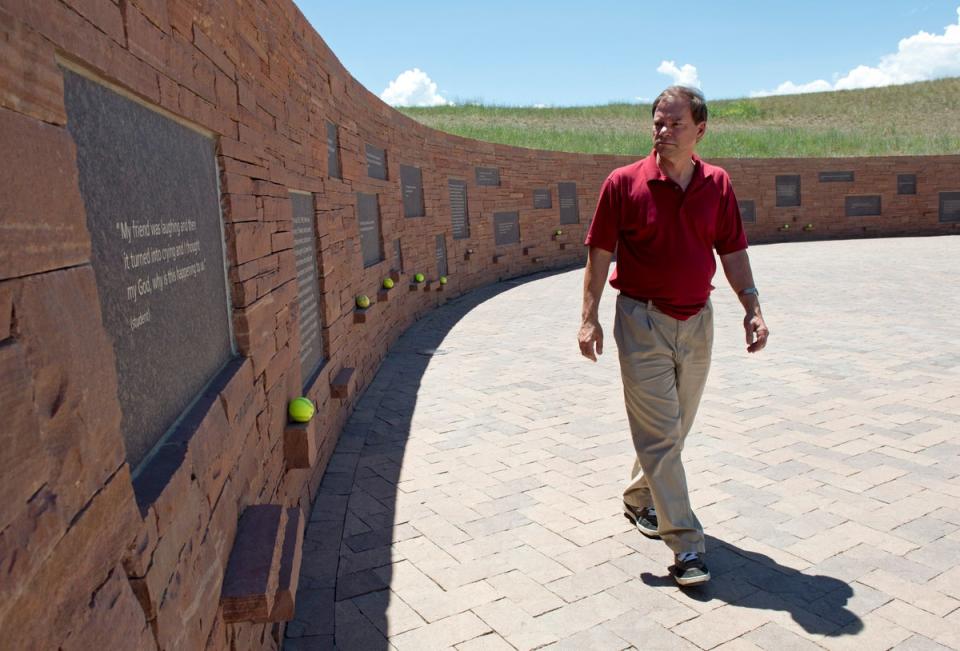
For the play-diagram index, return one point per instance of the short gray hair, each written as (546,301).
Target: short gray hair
(698,105)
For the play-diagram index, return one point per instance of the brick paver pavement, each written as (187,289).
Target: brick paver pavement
(473,500)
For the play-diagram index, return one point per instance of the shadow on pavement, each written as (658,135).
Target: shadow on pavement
(749,579)
(346,572)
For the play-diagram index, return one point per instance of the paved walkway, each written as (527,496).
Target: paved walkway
(473,500)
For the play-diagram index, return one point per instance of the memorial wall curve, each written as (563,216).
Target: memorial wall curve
(194,195)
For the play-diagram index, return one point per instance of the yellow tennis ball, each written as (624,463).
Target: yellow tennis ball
(388,283)
(363,301)
(443,280)
(301,410)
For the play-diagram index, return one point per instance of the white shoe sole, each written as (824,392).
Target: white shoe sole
(649,533)
(694,581)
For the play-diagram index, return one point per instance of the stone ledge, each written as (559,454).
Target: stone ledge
(340,385)
(299,445)
(252,579)
(290,559)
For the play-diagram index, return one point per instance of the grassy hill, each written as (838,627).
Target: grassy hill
(912,119)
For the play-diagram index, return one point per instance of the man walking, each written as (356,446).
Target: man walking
(664,216)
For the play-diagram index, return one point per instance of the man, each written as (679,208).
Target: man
(664,216)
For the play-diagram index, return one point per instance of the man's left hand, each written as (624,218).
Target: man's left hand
(757,332)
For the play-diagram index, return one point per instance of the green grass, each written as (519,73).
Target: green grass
(912,119)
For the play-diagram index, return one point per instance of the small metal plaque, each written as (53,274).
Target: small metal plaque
(376,162)
(569,211)
(506,228)
(906,183)
(836,177)
(748,211)
(950,206)
(305,253)
(542,198)
(411,180)
(368,221)
(333,152)
(149,185)
(866,205)
(788,190)
(458,209)
(441,255)
(488,175)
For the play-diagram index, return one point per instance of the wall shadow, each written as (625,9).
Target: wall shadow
(818,603)
(346,570)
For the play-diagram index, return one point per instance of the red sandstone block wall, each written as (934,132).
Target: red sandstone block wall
(91,557)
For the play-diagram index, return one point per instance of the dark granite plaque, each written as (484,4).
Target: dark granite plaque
(376,162)
(333,152)
(368,221)
(950,206)
(488,175)
(569,211)
(149,185)
(411,182)
(788,190)
(398,255)
(836,177)
(308,287)
(441,255)
(458,209)
(906,183)
(506,228)
(862,205)
(542,198)
(748,211)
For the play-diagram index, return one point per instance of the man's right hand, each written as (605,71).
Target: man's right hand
(590,333)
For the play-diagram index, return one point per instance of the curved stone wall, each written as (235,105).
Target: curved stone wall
(104,547)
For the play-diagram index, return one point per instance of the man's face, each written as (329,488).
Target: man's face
(675,134)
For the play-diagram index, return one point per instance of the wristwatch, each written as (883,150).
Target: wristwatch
(749,290)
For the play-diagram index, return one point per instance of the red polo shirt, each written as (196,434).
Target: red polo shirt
(665,237)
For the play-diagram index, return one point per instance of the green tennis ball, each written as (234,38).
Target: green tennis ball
(363,301)
(418,278)
(443,280)
(388,283)
(559,232)
(301,410)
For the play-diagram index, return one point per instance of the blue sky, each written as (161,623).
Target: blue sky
(574,53)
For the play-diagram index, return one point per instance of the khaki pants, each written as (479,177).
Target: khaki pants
(664,364)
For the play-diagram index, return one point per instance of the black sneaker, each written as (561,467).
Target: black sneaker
(691,570)
(645,519)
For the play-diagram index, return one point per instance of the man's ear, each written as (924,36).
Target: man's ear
(701,130)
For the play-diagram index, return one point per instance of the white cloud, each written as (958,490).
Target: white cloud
(683,76)
(413,88)
(919,57)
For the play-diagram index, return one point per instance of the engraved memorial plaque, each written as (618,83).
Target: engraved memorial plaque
(949,207)
(376,162)
(906,183)
(368,221)
(398,255)
(308,287)
(411,181)
(569,211)
(506,228)
(836,177)
(333,152)
(748,211)
(488,175)
(865,205)
(788,190)
(542,198)
(149,185)
(441,255)
(458,209)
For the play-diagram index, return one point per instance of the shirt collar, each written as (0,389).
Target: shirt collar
(652,171)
